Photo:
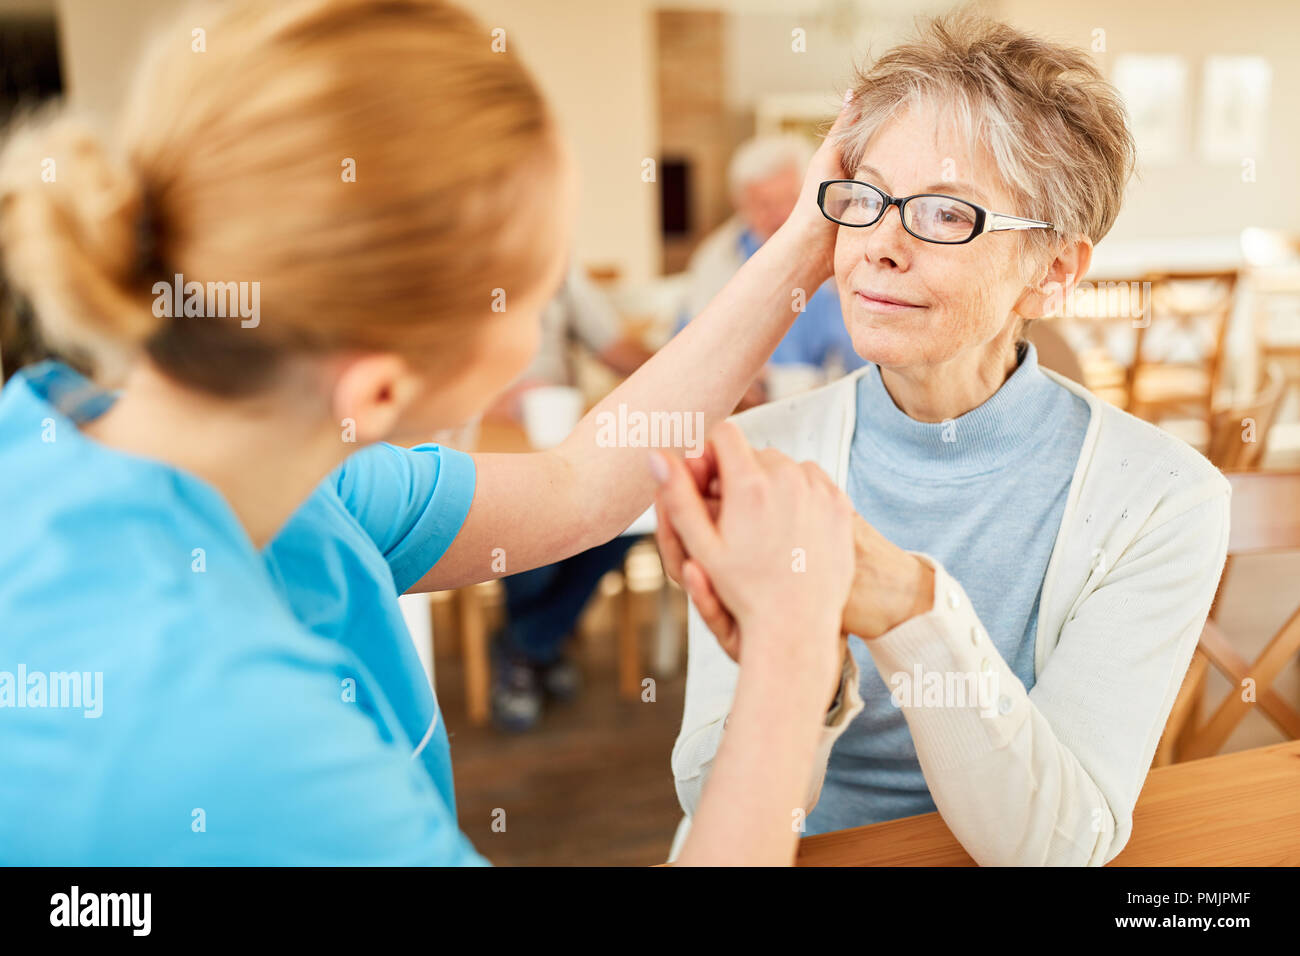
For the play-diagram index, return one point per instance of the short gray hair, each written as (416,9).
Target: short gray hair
(1056,128)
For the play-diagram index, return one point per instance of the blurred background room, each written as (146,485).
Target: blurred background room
(691,120)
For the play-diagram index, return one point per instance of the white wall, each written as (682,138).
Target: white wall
(594,60)
(1192,198)
(761,61)
(100,44)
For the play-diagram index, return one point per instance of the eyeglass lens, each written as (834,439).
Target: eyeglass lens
(937,218)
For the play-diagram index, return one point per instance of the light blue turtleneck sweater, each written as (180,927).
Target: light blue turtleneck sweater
(983,494)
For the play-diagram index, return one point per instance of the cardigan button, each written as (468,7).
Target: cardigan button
(953,600)
(975,635)
(1004,705)
(986,665)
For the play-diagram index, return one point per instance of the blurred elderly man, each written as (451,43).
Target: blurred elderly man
(764,177)
(530,660)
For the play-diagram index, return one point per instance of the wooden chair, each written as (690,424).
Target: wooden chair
(639,608)
(1265,519)
(473,603)
(1100,328)
(1239,433)
(1276,289)
(479,608)
(604,274)
(1186,305)
(1275,293)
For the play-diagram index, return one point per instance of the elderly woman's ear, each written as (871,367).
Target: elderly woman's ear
(1069,263)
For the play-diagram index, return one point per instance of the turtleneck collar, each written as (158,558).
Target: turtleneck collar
(1005,427)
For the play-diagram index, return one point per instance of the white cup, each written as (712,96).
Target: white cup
(550,413)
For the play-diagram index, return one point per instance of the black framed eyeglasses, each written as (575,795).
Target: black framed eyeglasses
(930,217)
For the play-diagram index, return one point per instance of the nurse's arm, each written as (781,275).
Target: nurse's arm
(544,506)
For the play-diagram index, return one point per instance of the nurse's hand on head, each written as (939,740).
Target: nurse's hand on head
(772,541)
(814,233)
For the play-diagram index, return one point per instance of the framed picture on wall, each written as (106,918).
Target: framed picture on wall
(1234,107)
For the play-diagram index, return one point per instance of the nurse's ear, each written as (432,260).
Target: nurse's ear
(371,392)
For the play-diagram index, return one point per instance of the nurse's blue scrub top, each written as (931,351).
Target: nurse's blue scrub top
(254,707)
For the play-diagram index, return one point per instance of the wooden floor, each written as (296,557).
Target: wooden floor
(591,785)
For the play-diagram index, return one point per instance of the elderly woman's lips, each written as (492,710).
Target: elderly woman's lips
(880,304)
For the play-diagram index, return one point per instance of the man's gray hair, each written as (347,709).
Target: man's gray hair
(764,156)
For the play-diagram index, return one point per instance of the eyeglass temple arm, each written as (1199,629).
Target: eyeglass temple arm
(997,222)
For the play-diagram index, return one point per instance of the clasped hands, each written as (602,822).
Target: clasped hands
(775,558)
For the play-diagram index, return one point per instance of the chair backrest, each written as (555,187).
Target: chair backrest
(1239,433)
(1102,316)
(1265,511)
(1099,324)
(1276,295)
(1183,303)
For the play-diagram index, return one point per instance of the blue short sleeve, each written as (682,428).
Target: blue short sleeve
(285,768)
(412,502)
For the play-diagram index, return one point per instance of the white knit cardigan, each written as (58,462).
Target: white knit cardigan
(1047,777)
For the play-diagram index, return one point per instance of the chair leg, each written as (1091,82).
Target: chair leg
(473,632)
(1210,738)
(643,581)
(1199,673)
(1164,755)
(631,614)
(1184,712)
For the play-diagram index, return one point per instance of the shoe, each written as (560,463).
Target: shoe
(562,680)
(516,695)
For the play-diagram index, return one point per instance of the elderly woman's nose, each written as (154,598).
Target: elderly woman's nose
(887,241)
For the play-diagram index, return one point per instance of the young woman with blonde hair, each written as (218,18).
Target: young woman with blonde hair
(213,555)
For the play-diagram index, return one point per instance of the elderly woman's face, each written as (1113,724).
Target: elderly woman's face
(954,298)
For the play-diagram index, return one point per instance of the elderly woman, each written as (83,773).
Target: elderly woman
(1033,565)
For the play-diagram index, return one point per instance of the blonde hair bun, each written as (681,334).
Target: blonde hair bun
(69,224)
(373,168)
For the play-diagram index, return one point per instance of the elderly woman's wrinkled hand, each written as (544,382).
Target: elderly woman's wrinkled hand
(890,585)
